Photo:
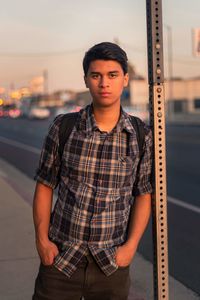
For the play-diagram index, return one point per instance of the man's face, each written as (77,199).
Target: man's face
(105,80)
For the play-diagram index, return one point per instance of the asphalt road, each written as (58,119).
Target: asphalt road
(20,144)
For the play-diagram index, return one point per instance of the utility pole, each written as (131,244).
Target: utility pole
(170,57)
(157,118)
(46,82)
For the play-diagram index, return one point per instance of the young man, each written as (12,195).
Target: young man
(87,245)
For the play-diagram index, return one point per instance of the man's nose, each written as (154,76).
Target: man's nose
(104,82)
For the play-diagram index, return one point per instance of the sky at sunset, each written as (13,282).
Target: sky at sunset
(53,35)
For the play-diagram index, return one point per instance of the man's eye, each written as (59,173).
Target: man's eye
(95,76)
(113,75)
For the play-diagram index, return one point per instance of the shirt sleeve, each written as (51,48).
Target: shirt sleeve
(144,173)
(49,163)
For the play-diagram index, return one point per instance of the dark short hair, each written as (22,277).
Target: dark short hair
(105,51)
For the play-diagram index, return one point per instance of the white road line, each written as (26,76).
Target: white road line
(19,145)
(184,204)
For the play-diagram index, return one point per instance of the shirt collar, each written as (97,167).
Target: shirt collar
(88,123)
(124,122)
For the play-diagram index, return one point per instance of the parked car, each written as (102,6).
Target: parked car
(1,112)
(14,112)
(39,113)
(10,110)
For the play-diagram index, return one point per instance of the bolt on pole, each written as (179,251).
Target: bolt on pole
(157,119)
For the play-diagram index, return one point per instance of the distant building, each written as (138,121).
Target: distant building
(36,85)
(181,95)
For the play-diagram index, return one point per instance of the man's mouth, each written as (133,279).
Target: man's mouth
(104,94)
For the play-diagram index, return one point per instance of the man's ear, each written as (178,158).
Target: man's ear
(85,79)
(126,80)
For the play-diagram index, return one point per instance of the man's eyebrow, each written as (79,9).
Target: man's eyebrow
(96,72)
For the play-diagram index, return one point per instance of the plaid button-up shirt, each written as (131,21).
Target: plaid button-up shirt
(96,175)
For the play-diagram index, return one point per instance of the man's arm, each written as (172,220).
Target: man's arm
(139,218)
(42,205)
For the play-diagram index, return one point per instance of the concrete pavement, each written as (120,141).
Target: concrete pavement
(18,258)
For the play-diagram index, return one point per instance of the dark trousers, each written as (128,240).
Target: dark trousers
(88,281)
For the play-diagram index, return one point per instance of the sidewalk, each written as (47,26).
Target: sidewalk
(18,258)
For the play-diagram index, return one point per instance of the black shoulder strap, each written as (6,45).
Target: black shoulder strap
(139,128)
(66,126)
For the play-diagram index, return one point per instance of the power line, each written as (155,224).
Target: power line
(41,54)
(133,48)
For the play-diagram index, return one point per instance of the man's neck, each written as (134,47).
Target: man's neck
(106,117)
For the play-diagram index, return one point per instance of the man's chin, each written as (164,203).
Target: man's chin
(105,103)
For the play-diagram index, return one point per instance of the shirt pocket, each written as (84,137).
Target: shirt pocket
(125,170)
(79,196)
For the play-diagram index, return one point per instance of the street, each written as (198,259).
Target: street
(20,144)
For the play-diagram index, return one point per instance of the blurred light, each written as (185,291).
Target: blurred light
(14,113)
(15,95)
(2,90)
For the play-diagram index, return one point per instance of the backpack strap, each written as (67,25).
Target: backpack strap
(138,125)
(140,132)
(67,124)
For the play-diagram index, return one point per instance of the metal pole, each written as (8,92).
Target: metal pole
(157,118)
